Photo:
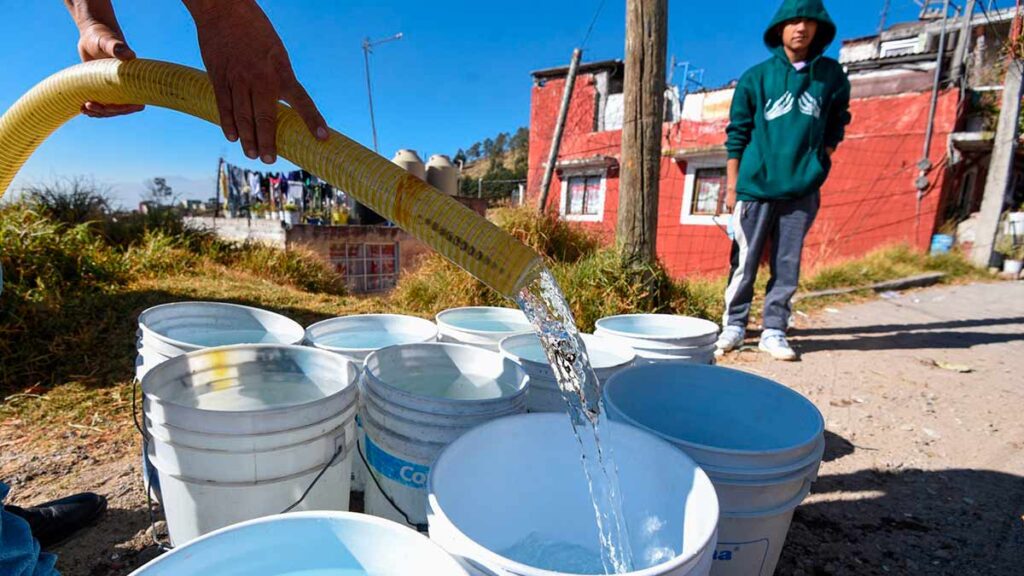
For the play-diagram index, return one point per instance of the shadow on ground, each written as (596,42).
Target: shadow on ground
(947,522)
(938,335)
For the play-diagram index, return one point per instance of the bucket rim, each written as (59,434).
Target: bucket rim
(628,352)
(297,517)
(435,510)
(733,474)
(522,379)
(352,409)
(149,312)
(349,447)
(443,324)
(421,323)
(783,508)
(603,323)
(345,418)
(385,406)
(338,432)
(350,389)
(612,383)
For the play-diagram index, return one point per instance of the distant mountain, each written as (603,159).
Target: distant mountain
(129,194)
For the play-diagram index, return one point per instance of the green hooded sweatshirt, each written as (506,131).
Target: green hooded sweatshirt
(783,119)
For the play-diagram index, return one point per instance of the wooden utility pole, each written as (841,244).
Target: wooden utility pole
(963,43)
(640,176)
(556,141)
(1000,170)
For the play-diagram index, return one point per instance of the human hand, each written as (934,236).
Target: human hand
(830,151)
(251,73)
(101,37)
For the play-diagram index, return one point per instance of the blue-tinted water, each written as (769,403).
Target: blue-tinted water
(367,339)
(207,337)
(546,553)
(490,325)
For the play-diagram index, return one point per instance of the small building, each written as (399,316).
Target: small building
(872,197)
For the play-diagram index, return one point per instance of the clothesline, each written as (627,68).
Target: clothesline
(248,192)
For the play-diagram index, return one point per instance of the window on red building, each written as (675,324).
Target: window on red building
(367,267)
(709,192)
(584,196)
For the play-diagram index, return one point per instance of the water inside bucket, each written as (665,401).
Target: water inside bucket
(270,391)
(366,339)
(548,310)
(207,338)
(452,385)
(489,325)
(540,551)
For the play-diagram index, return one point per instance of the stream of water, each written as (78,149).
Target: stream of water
(546,307)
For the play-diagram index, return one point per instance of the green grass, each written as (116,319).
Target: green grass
(74,290)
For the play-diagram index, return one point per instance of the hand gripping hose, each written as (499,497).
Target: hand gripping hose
(453,230)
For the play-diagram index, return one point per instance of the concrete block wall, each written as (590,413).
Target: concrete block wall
(270,232)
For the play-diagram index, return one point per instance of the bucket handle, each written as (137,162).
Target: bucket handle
(166,547)
(149,473)
(423,528)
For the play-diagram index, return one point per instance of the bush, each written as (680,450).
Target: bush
(44,259)
(299,268)
(71,201)
(556,239)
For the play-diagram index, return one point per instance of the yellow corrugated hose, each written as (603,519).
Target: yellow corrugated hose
(450,228)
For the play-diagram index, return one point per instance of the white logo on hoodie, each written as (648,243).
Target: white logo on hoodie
(777,109)
(810,105)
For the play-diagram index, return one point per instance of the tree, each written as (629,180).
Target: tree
(473,154)
(640,175)
(500,144)
(159,192)
(520,142)
(460,157)
(488,148)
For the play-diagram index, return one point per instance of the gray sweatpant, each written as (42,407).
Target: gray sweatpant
(785,224)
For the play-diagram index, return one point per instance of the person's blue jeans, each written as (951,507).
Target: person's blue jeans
(19,551)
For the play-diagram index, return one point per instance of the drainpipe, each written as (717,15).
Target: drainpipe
(925,165)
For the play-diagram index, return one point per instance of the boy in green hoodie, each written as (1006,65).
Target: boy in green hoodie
(789,114)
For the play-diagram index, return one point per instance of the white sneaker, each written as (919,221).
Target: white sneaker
(731,339)
(774,343)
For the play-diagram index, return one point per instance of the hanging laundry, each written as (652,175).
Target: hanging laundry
(254,185)
(223,190)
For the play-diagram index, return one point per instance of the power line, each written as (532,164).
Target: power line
(597,14)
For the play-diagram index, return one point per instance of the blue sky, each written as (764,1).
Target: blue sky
(461,73)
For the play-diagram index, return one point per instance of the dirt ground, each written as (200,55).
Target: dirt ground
(924,474)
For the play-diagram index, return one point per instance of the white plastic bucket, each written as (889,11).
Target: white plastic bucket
(323,543)
(606,358)
(751,543)
(240,432)
(418,398)
(520,476)
(355,337)
(659,338)
(760,442)
(482,326)
(170,330)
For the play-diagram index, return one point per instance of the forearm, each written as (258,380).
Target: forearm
(203,10)
(86,12)
(732,174)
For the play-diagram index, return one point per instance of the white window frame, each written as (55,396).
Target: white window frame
(690,188)
(567,175)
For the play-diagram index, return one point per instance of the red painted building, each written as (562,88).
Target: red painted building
(870,200)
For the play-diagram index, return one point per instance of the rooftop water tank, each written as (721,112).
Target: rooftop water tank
(443,175)
(411,162)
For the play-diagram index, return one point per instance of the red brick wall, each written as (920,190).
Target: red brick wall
(869,200)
